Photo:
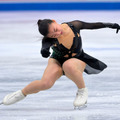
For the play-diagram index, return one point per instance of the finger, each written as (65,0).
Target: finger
(117,30)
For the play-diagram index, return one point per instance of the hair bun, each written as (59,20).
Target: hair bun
(39,21)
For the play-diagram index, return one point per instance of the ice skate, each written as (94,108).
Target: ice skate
(81,98)
(13,98)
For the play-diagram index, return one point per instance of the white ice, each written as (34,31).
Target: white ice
(21,63)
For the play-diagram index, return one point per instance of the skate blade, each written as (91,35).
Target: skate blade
(80,107)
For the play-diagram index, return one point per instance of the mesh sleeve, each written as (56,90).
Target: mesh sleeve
(79,25)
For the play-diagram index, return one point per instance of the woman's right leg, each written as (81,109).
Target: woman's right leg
(51,74)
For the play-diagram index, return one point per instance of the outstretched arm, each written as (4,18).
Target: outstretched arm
(79,25)
(113,26)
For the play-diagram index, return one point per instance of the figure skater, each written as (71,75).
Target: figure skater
(68,58)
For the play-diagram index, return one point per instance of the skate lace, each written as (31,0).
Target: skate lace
(14,95)
(80,94)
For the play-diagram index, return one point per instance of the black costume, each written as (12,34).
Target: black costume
(94,65)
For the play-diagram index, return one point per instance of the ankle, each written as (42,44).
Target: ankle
(24,93)
(81,87)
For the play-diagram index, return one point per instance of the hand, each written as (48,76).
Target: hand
(45,53)
(116,26)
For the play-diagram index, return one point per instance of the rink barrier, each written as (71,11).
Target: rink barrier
(37,6)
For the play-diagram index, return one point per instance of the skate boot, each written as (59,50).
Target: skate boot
(13,98)
(81,98)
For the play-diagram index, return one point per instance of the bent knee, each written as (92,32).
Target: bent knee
(56,71)
(69,67)
(49,79)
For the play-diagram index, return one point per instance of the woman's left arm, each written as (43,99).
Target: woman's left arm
(113,26)
(84,25)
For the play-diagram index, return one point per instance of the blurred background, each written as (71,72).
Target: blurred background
(7,5)
(21,62)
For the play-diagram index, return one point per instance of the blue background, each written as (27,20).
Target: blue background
(36,6)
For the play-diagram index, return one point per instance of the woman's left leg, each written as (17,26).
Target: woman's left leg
(73,69)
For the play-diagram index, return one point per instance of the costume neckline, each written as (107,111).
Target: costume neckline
(74,38)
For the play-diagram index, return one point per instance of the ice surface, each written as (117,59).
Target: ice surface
(21,63)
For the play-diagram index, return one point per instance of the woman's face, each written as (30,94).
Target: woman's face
(55,30)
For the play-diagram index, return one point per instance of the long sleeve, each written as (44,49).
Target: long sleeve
(46,44)
(79,25)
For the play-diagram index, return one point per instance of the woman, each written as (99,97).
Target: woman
(68,58)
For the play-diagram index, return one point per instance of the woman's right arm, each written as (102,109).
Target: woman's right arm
(46,44)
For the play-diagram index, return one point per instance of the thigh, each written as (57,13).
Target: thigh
(53,71)
(73,69)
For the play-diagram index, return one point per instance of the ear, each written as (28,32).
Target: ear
(53,20)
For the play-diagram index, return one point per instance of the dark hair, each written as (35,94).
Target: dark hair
(43,26)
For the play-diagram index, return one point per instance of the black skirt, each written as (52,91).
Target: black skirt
(93,65)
